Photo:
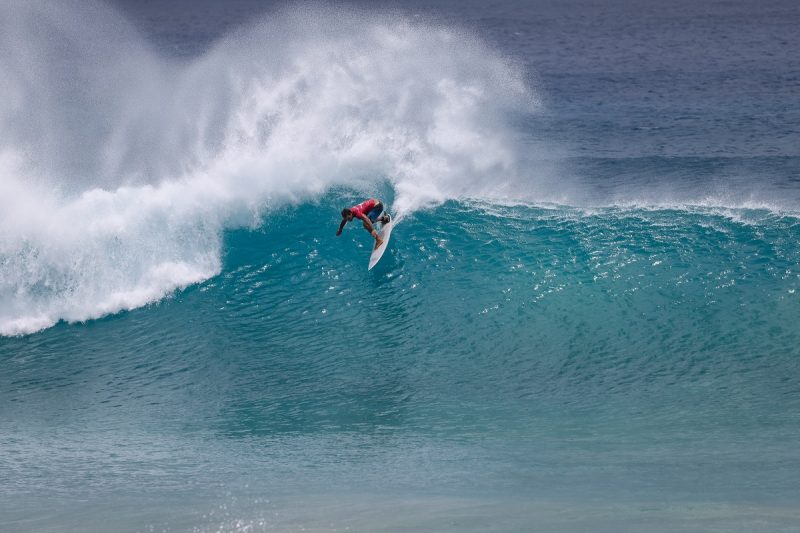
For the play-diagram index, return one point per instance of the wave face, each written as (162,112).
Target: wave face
(121,169)
(523,354)
(565,338)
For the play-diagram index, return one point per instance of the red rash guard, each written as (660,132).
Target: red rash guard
(363,208)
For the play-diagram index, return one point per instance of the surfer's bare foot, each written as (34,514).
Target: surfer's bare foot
(378,243)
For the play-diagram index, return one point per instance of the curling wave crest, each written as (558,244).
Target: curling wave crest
(120,168)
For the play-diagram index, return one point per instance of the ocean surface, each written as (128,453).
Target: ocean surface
(587,319)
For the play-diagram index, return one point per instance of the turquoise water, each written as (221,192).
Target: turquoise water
(501,366)
(586,319)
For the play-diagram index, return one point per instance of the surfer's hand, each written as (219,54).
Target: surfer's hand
(338,233)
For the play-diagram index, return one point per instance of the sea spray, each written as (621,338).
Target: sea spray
(121,168)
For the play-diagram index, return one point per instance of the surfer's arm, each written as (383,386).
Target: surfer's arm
(341,227)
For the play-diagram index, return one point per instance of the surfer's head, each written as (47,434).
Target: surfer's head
(347,214)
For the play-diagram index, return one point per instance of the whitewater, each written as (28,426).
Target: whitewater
(586,319)
(121,169)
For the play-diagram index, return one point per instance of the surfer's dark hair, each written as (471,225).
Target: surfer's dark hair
(346,213)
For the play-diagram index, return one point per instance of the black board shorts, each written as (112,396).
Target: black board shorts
(375,212)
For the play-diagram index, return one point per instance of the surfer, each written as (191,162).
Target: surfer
(369,211)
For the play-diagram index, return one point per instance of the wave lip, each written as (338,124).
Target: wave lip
(100,253)
(122,169)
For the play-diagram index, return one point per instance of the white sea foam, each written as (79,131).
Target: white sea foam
(119,168)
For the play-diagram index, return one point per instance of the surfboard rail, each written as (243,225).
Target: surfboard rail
(385,232)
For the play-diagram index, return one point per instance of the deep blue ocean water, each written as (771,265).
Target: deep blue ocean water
(586,320)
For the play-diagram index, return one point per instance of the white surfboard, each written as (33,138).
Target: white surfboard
(377,253)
